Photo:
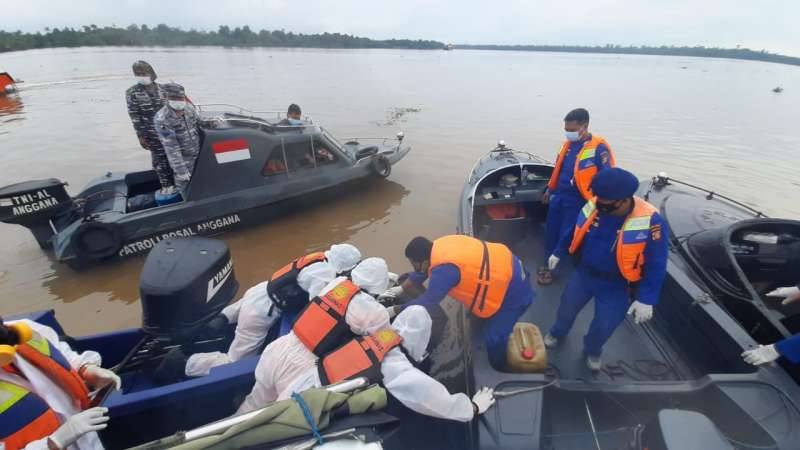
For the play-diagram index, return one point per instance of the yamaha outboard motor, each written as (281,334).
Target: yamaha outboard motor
(34,204)
(185,283)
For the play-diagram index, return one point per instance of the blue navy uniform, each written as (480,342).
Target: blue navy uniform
(496,329)
(566,201)
(598,277)
(790,348)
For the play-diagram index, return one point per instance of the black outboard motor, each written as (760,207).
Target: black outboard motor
(34,204)
(185,283)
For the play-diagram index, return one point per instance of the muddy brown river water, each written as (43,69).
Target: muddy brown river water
(711,122)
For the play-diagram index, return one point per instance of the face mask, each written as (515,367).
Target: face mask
(606,208)
(177,105)
(573,136)
(144,80)
(295,122)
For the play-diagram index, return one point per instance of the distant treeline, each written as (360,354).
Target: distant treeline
(708,52)
(163,35)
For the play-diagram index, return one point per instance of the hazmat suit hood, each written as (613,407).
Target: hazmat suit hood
(414,326)
(371,275)
(343,257)
(314,277)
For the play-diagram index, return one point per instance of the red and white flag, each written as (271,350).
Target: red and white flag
(231,150)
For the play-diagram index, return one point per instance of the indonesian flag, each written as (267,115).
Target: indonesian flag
(231,150)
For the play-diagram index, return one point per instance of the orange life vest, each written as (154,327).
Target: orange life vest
(505,211)
(283,288)
(485,270)
(631,239)
(24,417)
(47,358)
(321,326)
(361,357)
(585,168)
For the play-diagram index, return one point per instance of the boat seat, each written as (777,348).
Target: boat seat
(680,429)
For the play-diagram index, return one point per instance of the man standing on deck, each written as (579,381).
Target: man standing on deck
(789,347)
(176,124)
(581,157)
(145,99)
(623,258)
(485,277)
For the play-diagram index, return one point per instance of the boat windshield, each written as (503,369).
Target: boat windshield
(335,142)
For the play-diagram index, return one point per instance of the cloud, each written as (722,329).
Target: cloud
(727,23)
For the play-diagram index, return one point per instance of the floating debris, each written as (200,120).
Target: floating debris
(395,115)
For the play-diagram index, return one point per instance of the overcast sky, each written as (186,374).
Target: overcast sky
(757,24)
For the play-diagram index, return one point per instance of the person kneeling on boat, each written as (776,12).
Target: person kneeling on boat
(789,347)
(623,258)
(486,277)
(44,390)
(390,357)
(581,157)
(343,307)
(287,291)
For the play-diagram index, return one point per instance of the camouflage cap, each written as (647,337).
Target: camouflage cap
(173,90)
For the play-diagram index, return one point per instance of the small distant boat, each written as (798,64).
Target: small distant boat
(449,47)
(7,83)
(777,90)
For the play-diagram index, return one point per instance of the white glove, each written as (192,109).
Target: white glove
(98,378)
(393,277)
(391,293)
(641,312)
(393,311)
(789,294)
(552,262)
(761,355)
(93,419)
(483,399)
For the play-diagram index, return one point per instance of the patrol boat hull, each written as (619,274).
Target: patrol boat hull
(234,184)
(670,383)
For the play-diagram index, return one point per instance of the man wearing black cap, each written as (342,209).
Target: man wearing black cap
(177,127)
(145,99)
(622,242)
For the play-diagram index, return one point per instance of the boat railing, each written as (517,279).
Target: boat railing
(383,140)
(661,180)
(221,112)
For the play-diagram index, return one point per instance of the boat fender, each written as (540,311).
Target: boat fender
(97,240)
(381,166)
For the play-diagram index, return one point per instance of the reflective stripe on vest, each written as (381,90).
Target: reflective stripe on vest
(24,417)
(361,357)
(635,234)
(321,326)
(283,288)
(485,270)
(47,358)
(585,169)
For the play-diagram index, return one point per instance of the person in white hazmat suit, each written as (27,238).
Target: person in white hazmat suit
(256,312)
(409,385)
(44,390)
(284,359)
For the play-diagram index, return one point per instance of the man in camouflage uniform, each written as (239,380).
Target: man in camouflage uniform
(145,99)
(176,125)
